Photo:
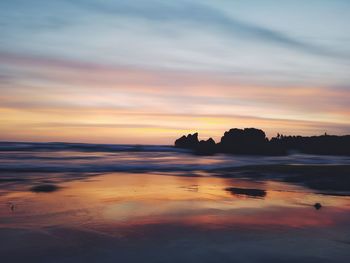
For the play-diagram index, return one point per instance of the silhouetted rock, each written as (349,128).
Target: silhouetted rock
(250,192)
(254,141)
(244,141)
(44,188)
(207,147)
(189,142)
(317,206)
(324,144)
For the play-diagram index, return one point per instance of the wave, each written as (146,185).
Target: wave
(102,158)
(85,147)
(143,162)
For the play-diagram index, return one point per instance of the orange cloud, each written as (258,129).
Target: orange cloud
(46,99)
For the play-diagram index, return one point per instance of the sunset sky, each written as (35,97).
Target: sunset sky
(149,71)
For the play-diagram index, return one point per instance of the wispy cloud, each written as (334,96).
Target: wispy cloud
(43,83)
(204,17)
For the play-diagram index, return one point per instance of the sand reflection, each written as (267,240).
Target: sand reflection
(129,200)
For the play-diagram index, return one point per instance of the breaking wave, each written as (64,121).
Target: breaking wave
(101,158)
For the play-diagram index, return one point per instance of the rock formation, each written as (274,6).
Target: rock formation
(188,142)
(254,141)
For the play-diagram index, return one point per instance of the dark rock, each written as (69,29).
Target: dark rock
(207,147)
(44,188)
(250,192)
(189,142)
(324,144)
(253,141)
(317,206)
(244,141)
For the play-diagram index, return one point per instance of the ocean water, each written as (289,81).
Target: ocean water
(95,158)
(64,202)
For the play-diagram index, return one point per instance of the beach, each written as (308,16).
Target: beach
(108,203)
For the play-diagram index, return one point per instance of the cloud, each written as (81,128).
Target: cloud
(177,35)
(46,83)
(204,17)
(115,126)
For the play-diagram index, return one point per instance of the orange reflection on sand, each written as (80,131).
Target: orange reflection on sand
(296,218)
(125,201)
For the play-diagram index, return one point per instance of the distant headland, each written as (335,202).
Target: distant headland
(253,141)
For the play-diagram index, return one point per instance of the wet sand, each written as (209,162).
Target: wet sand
(327,179)
(164,217)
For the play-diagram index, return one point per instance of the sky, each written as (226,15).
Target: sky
(147,72)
